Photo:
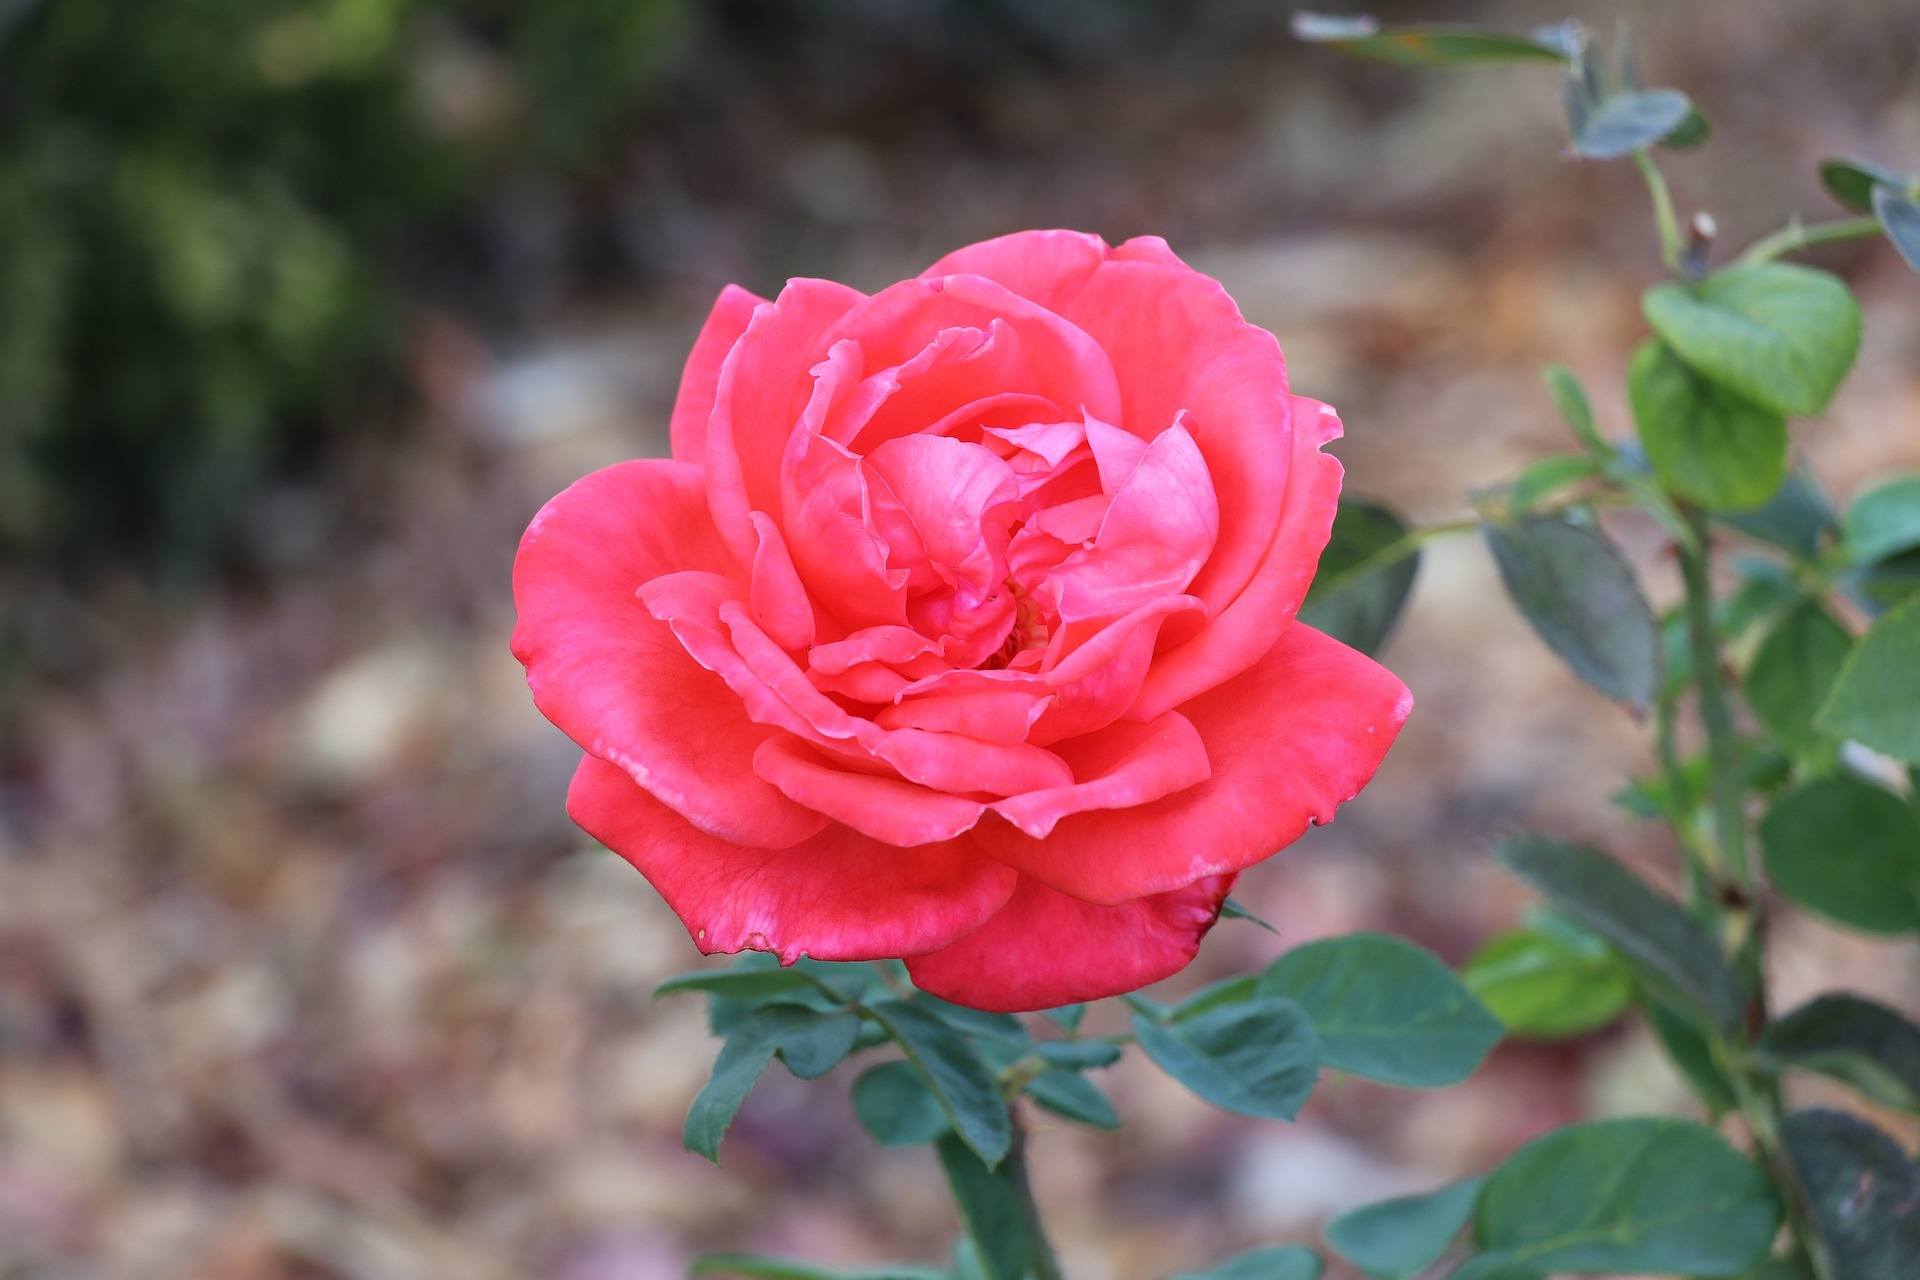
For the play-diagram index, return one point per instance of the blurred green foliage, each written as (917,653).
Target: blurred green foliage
(201,205)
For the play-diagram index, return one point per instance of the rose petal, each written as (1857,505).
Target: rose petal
(1238,634)
(886,809)
(1291,739)
(993,715)
(1044,949)
(614,679)
(1121,766)
(700,379)
(779,601)
(1046,267)
(837,896)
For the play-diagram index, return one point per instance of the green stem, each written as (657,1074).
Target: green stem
(1699,865)
(1671,242)
(1724,783)
(1796,236)
(1044,1265)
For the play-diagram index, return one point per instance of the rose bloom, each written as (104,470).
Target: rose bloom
(960,625)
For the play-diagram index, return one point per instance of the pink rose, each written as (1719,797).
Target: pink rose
(960,626)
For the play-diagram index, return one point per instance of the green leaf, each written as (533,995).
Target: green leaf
(1665,944)
(1848,850)
(1068,1016)
(895,1106)
(1385,1009)
(1256,1057)
(1876,700)
(967,1091)
(1224,991)
(1548,475)
(1900,218)
(1079,1055)
(1797,518)
(1571,399)
(1689,133)
(1864,1191)
(1627,122)
(1074,1096)
(742,1058)
(817,1048)
(1399,1238)
(1548,982)
(1364,577)
(1435,45)
(748,984)
(1492,1266)
(1886,585)
(1852,182)
(1232,910)
(1854,1040)
(762,1267)
(1632,1195)
(992,1204)
(1688,1050)
(1793,671)
(1001,1027)
(1705,441)
(1278,1262)
(1780,335)
(1580,596)
(1885,520)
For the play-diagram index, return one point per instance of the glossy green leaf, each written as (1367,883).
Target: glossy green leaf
(1547,981)
(1001,1027)
(1571,399)
(1852,1039)
(1632,1195)
(1364,577)
(1876,700)
(1623,123)
(1067,1017)
(1705,441)
(739,983)
(1665,945)
(1852,182)
(1428,45)
(992,1204)
(1279,1262)
(1079,1055)
(1582,599)
(1257,1057)
(1864,1191)
(1848,850)
(1780,335)
(1068,1094)
(1884,520)
(743,1057)
(966,1089)
(817,1047)
(896,1107)
(1399,1238)
(1797,518)
(1793,672)
(1900,218)
(761,1267)
(1223,991)
(1385,1009)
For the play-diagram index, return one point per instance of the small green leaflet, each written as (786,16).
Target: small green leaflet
(966,1089)
(1435,45)
(1793,671)
(1876,700)
(992,1208)
(1864,1190)
(1633,1195)
(1884,520)
(1282,1262)
(1386,1009)
(1852,1039)
(1852,182)
(1900,218)
(1256,1057)
(1848,850)
(742,1058)
(895,1106)
(1549,980)
(1780,335)
(1365,575)
(1705,441)
(1400,1238)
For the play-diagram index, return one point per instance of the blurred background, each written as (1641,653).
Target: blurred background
(307,305)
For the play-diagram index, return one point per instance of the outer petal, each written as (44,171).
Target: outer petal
(838,896)
(1121,766)
(701,377)
(1045,949)
(1047,267)
(1290,740)
(615,680)
(887,809)
(1244,630)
